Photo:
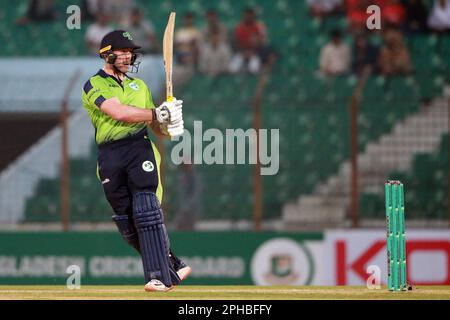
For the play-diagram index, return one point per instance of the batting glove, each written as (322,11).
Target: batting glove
(176,129)
(176,111)
(162,114)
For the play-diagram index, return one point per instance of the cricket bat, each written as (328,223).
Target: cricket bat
(168,55)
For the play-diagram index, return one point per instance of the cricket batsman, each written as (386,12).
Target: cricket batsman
(121,110)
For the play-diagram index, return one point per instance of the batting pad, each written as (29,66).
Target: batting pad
(153,239)
(127,230)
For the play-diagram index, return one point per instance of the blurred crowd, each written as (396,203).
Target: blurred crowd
(214,49)
(410,16)
(399,19)
(390,58)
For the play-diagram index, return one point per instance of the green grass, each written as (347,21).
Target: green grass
(218,292)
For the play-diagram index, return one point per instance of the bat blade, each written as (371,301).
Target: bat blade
(168,54)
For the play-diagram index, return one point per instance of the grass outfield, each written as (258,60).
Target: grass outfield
(218,292)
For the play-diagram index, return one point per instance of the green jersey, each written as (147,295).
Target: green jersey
(102,86)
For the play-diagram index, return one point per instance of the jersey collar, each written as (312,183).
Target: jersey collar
(103,74)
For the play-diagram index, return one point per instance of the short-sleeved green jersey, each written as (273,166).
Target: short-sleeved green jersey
(102,86)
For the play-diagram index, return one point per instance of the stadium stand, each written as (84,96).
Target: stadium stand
(310,111)
(427,182)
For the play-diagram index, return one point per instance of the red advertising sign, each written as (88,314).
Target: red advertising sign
(349,253)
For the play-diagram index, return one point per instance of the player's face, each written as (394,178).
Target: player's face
(123,60)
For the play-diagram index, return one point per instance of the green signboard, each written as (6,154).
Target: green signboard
(104,258)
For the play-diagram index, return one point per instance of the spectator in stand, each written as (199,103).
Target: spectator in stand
(416,16)
(250,41)
(39,10)
(187,40)
(364,55)
(142,31)
(214,27)
(95,33)
(357,14)
(394,57)
(322,8)
(439,19)
(215,55)
(117,10)
(393,12)
(335,56)
(91,8)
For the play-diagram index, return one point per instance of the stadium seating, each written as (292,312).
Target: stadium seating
(310,112)
(426,186)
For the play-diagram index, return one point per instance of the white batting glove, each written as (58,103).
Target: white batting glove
(172,130)
(176,129)
(162,113)
(169,111)
(176,111)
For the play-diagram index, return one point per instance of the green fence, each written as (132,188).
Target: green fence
(104,258)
